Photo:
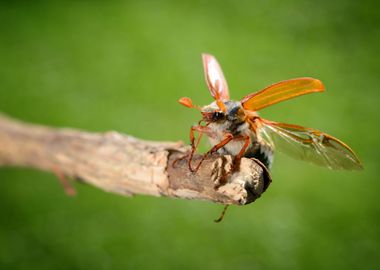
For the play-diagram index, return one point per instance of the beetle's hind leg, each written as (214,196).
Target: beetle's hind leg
(237,158)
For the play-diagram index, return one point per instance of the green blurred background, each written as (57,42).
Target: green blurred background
(119,65)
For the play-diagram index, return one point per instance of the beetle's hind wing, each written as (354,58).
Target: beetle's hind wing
(308,144)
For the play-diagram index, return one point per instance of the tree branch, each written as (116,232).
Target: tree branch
(125,165)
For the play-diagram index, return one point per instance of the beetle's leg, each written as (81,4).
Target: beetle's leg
(247,140)
(236,160)
(222,214)
(228,137)
(201,130)
(194,143)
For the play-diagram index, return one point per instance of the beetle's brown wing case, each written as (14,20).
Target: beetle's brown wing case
(281,91)
(214,78)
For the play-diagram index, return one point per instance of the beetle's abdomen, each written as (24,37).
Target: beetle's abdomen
(261,152)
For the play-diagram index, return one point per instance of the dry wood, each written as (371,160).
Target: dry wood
(125,165)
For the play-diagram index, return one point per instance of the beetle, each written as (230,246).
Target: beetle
(235,128)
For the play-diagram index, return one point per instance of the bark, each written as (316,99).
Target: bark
(126,165)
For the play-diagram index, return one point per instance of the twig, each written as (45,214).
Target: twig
(125,165)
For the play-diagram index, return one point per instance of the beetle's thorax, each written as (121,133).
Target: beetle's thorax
(232,121)
(236,121)
(233,112)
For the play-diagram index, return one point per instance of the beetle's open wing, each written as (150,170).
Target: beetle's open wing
(214,78)
(308,144)
(281,91)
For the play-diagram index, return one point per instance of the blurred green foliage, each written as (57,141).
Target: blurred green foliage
(120,65)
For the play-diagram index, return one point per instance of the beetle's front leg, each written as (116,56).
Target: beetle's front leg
(201,130)
(195,142)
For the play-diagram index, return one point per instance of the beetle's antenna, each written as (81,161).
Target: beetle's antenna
(187,102)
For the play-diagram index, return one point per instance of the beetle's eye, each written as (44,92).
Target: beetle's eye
(218,116)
